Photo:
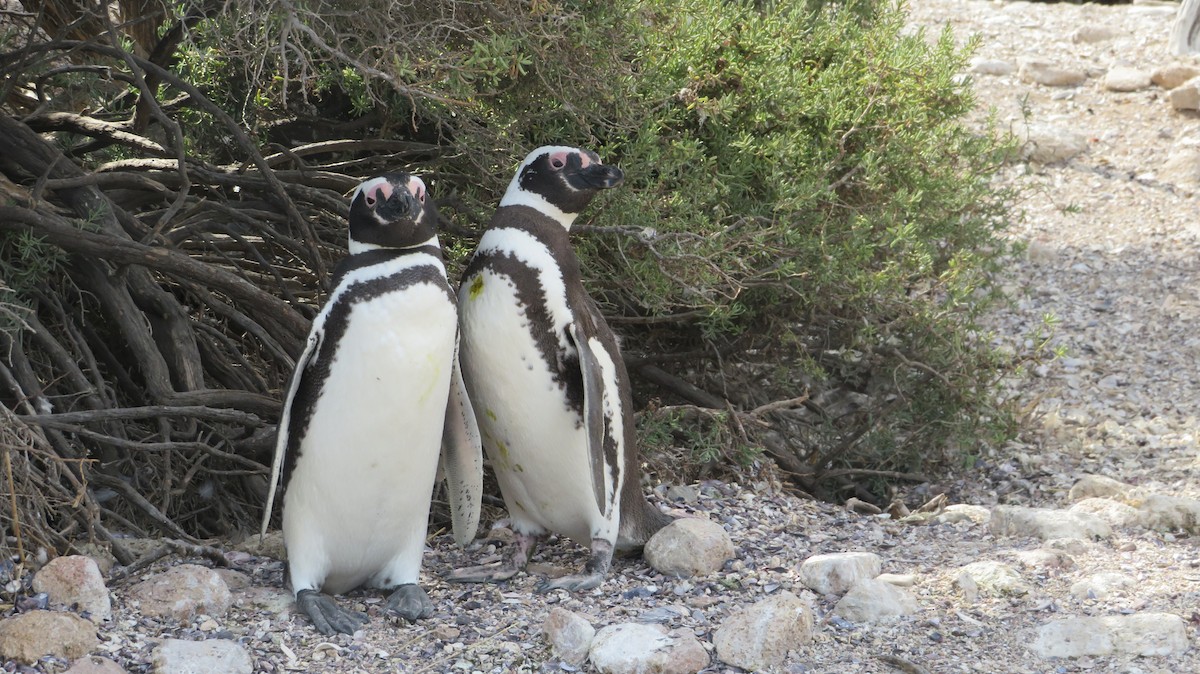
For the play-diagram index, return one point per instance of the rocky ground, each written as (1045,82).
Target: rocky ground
(1033,567)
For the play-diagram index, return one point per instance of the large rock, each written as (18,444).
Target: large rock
(636,648)
(1117,514)
(569,634)
(1047,144)
(760,636)
(689,547)
(1173,75)
(1097,486)
(182,592)
(1046,523)
(94,664)
(872,600)
(30,636)
(982,66)
(1140,634)
(1049,74)
(1182,167)
(995,577)
(75,582)
(1166,513)
(963,512)
(1101,585)
(836,573)
(1124,78)
(1186,96)
(214,656)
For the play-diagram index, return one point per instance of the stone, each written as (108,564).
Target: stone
(569,635)
(183,592)
(1186,96)
(1124,79)
(898,579)
(1046,523)
(1161,512)
(1139,634)
(75,581)
(836,573)
(1048,74)
(1101,585)
(759,636)
(1092,33)
(213,656)
(962,512)
(269,545)
(872,600)
(966,584)
(29,636)
(634,648)
(1173,75)
(982,66)
(996,577)
(1119,515)
(1182,167)
(1046,144)
(234,580)
(270,599)
(1045,560)
(94,664)
(689,547)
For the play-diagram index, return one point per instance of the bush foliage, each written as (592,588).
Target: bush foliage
(796,262)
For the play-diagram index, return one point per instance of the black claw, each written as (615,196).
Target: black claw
(409,602)
(326,616)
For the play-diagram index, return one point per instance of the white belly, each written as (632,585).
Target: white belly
(537,445)
(357,503)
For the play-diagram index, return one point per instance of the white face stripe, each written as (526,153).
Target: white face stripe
(515,196)
(535,255)
(367,185)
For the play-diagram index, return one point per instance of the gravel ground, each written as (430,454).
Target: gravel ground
(1112,241)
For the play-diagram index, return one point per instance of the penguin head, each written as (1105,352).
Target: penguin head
(560,181)
(391,211)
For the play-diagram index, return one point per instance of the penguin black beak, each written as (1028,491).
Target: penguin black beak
(398,204)
(601,177)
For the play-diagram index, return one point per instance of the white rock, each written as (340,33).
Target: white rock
(872,600)
(75,581)
(1046,523)
(1143,634)
(182,592)
(962,512)
(1101,585)
(635,648)
(1047,144)
(1124,78)
(898,579)
(1115,513)
(1099,486)
(1166,513)
(1182,167)
(760,636)
(982,66)
(996,577)
(1045,560)
(569,634)
(689,547)
(838,572)
(213,656)
(1186,96)
(1048,74)
(1173,75)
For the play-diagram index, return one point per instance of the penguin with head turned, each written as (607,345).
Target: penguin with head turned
(544,372)
(375,401)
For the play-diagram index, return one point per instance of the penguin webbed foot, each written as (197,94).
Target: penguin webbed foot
(410,602)
(594,572)
(327,616)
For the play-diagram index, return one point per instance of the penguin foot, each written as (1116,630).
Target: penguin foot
(573,583)
(326,616)
(409,602)
(486,573)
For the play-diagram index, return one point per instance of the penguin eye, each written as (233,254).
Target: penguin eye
(370,199)
(557,162)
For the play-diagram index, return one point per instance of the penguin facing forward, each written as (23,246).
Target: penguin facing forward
(376,399)
(545,375)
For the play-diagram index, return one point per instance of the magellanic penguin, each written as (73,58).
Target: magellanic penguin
(545,375)
(374,396)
